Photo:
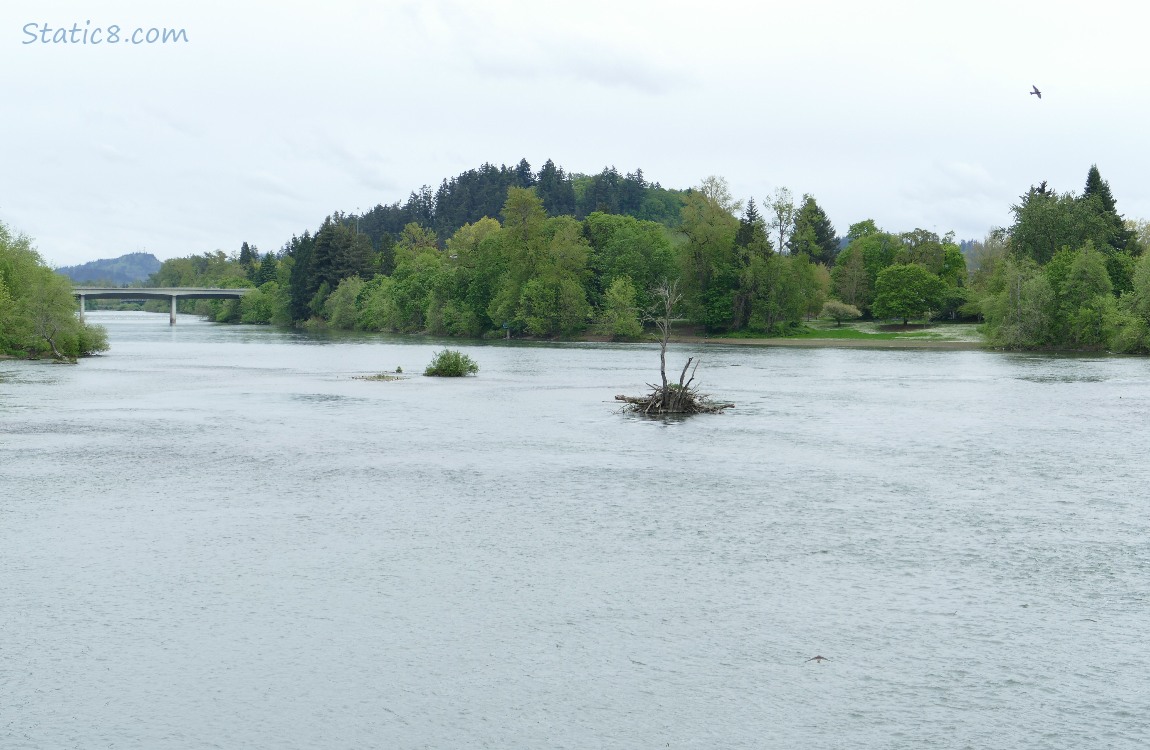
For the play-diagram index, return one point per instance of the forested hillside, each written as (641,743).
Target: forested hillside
(121,271)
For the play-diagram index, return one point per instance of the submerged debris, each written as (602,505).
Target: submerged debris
(674,398)
(385,376)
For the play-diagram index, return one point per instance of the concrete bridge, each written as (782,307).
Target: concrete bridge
(170,292)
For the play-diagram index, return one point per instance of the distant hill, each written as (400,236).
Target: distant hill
(116,271)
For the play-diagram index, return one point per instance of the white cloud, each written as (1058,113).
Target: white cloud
(277,113)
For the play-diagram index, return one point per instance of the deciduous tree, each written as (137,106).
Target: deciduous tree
(839,311)
(709,271)
(906,291)
(782,216)
(620,318)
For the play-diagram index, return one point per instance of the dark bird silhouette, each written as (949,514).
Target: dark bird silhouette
(1035,91)
(817,658)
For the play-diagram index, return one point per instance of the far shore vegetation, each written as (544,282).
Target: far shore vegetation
(508,252)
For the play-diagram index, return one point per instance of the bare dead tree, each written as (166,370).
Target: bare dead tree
(671,398)
(667,298)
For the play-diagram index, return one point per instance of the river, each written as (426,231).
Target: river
(217,537)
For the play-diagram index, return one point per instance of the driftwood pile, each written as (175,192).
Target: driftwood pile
(674,398)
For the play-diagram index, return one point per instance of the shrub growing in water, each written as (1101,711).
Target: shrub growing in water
(451,364)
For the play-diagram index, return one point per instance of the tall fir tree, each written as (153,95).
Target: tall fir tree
(752,253)
(524,177)
(1096,186)
(554,188)
(1097,195)
(813,234)
(248,255)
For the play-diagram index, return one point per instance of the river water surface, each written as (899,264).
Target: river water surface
(216,537)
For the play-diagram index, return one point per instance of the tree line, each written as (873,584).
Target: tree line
(552,261)
(533,271)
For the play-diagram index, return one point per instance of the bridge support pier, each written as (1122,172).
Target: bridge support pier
(81,309)
(172,317)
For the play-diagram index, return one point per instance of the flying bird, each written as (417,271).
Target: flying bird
(1035,91)
(818,659)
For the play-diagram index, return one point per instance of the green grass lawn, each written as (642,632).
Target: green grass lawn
(873,331)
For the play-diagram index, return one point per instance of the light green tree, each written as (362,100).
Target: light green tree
(340,307)
(263,305)
(38,314)
(1086,298)
(709,275)
(839,311)
(1020,306)
(521,247)
(781,216)
(620,317)
(553,301)
(1132,323)
(378,310)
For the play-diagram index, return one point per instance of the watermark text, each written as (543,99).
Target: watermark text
(86,33)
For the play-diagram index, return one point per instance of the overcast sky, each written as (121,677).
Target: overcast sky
(274,114)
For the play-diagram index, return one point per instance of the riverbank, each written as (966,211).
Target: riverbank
(816,343)
(862,335)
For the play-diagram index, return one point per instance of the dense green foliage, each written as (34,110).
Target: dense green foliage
(38,314)
(538,273)
(1069,273)
(906,291)
(450,363)
(558,255)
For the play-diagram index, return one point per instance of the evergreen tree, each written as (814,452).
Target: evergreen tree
(523,175)
(603,194)
(554,188)
(420,207)
(266,270)
(248,256)
(339,253)
(813,234)
(752,230)
(1097,195)
(1044,223)
(1096,186)
(302,283)
(752,248)
(632,191)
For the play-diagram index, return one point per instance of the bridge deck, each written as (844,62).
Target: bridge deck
(158,292)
